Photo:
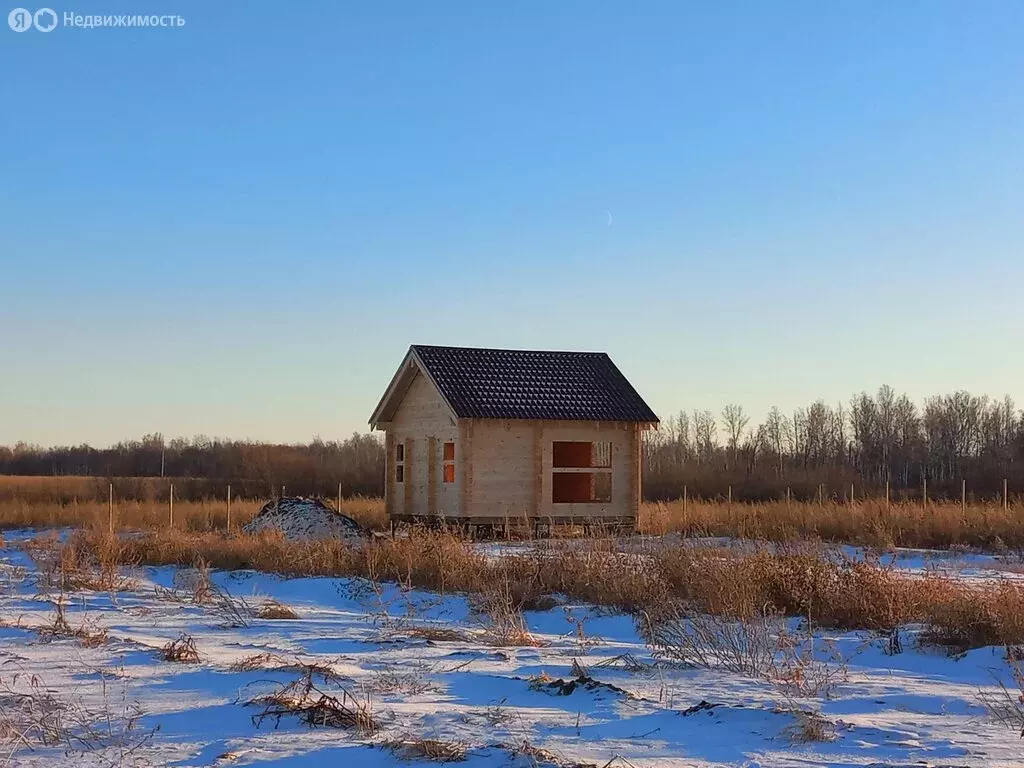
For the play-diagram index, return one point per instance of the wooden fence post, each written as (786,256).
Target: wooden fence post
(963,496)
(110,509)
(229,508)
(684,499)
(851,494)
(821,500)
(339,496)
(789,496)
(887,494)
(730,497)
(925,488)
(170,505)
(1006,501)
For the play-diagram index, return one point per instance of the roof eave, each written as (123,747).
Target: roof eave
(384,412)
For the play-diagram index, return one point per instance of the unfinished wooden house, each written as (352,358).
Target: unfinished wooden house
(495,437)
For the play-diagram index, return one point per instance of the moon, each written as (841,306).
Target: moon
(609,217)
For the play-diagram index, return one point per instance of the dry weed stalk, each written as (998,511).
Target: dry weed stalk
(809,727)
(32,715)
(409,681)
(181,650)
(197,587)
(306,701)
(758,645)
(1006,706)
(503,620)
(274,663)
(88,633)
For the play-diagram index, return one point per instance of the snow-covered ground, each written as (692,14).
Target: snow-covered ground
(917,708)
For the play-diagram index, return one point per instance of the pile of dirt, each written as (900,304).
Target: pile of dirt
(301,518)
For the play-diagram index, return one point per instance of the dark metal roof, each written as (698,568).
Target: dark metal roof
(524,384)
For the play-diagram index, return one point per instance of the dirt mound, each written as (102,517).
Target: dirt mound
(300,518)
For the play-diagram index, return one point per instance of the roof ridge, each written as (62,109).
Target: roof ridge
(511,349)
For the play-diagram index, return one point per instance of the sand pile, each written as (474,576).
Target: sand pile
(301,518)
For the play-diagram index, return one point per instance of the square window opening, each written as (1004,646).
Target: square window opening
(581,487)
(579,454)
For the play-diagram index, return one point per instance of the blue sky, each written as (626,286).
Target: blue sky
(238,226)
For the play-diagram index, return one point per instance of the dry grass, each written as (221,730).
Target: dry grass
(139,504)
(31,716)
(1007,704)
(181,650)
(808,582)
(870,522)
(306,701)
(82,502)
(88,633)
(272,609)
(74,566)
(434,750)
(435,634)
(272,662)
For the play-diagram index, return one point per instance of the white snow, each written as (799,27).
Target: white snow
(915,709)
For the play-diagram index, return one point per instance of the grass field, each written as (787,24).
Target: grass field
(190,665)
(144,504)
(760,619)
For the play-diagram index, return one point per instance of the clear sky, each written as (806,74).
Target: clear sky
(238,226)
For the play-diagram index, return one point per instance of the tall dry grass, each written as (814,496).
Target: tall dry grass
(206,515)
(82,502)
(814,583)
(868,522)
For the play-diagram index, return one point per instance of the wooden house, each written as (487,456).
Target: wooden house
(491,437)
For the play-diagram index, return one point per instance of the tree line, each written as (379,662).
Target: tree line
(870,442)
(253,469)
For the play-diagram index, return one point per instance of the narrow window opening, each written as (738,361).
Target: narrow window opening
(400,463)
(448,458)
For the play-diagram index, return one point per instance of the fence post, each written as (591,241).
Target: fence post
(684,499)
(1006,502)
(339,496)
(963,496)
(229,508)
(925,487)
(887,494)
(821,501)
(730,497)
(110,509)
(170,518)
(851,494)
(788,496)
